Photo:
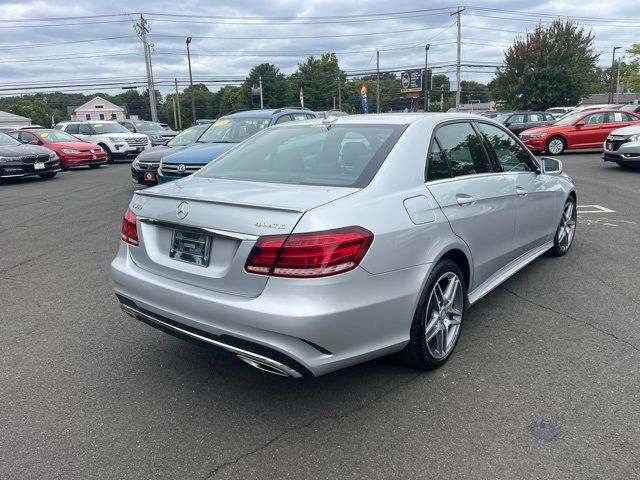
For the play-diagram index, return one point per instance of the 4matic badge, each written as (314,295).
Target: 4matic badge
(277,226)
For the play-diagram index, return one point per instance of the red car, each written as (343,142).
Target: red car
(72,151)
(577,130)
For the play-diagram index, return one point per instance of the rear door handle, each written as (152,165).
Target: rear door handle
(464,199)
(521,192)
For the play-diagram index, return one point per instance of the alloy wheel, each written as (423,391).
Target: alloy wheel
(556,146)
(444,315)
(567,228)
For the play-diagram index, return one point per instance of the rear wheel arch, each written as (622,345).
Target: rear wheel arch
(460,258)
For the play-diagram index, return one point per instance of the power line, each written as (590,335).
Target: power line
(225,37)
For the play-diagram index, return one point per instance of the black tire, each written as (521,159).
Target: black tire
(95,165)
(48,174)
(418,352)
(559,246)
(556,151)
(108,152)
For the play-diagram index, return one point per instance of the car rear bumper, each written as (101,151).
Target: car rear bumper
(315,325)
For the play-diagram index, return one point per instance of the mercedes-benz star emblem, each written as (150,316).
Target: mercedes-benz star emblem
(182,211)
(181,168)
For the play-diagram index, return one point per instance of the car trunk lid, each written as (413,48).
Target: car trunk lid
(220,220)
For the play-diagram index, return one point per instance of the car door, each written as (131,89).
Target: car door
(516,123)
(30,138)
(84,132)
(539,197)
(479,202)
(616,120)
(589,132)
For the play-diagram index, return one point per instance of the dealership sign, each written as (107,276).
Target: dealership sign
(411,81)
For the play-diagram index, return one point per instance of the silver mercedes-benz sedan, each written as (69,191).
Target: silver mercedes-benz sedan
(320,244)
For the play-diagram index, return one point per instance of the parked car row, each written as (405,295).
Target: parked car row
(199,145)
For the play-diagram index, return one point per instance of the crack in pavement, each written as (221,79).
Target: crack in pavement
(305,425)
(575,319)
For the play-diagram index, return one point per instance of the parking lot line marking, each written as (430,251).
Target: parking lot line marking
(594,209)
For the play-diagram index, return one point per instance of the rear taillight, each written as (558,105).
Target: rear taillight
(129,229)
(317,254)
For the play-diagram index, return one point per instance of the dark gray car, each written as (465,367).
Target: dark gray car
(20,160)
(143,168)
(158,134)
(520,121)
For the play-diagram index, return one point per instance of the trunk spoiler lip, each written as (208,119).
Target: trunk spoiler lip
(219,202)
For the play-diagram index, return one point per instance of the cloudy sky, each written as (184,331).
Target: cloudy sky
(73,45)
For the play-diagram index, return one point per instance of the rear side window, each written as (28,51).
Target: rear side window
(548,117)
(509,154)
(328,155)
(438,166)
(463,149)
(535,117)
(284,118)
(519,118)
(72,128)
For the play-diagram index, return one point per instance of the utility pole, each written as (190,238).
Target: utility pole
(142,29)
(613,66)
(442,99)
(261,98)
(618,81)
(339,92)
(426,75)
(377,81)
(175,113)
(179,125)
(193,93)
(458,17)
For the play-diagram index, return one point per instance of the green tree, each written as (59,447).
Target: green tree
(553,65)
(319,78)
(632,80)
(229,100)
(274,87)
(473,91)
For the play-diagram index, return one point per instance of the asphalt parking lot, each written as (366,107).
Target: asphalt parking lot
(545,382)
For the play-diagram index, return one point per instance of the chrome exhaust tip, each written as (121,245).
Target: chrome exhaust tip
(265,367)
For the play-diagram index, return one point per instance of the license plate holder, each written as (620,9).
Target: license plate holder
(149,176)
(190,247)
(140,149)
(609,146)
(38,166)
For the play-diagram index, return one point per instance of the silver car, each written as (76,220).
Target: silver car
(320,244)
(623,146)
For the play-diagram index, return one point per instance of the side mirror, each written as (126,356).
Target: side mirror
(550,165)
(35,141)
(580,124)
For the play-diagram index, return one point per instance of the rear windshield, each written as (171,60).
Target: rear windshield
(318,154)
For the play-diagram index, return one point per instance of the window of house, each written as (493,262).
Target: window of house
(114,116)
(87,116)
(101,116)
(99,106)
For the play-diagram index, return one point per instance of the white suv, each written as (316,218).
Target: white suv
(114,139)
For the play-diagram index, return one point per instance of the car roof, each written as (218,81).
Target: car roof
(266,112)
(399,118)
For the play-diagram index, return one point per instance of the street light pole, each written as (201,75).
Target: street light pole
(426,74)
(193,94)
(613,65)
